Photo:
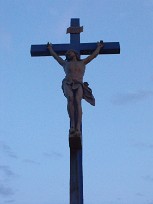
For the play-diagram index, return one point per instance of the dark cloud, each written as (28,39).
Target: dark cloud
(7,150)
(6,170)
(6,191)
(125,98)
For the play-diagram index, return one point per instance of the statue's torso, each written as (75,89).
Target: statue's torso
(74,70)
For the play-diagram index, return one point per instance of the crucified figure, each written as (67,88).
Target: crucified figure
(73,87)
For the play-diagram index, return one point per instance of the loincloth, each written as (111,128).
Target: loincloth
(74,85)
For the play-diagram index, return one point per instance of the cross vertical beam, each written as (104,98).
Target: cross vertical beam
(76,177)
(75,31)
(74,37)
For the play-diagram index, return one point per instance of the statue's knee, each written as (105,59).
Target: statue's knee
(78,100)
(70,99)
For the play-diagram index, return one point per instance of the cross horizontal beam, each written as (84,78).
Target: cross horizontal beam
(83,48)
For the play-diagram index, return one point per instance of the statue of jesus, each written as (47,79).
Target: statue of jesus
(73,86)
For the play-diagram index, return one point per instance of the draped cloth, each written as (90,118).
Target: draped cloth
(73,85)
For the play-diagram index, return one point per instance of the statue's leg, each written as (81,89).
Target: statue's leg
(70,109)
(67,89)
(78,98)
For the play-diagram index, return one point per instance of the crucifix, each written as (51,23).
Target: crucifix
(75,90)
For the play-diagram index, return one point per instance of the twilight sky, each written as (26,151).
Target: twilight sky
(117,132)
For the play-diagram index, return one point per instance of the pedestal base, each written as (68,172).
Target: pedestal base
(75,141)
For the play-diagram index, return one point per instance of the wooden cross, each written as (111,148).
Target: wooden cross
(82,48)
(76,171)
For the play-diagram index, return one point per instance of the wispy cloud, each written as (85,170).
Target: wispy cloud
(5,39)
(6,149)
(131,97)
(139,194)
(29,161)
(9,201)
(7,174)
(6,170)
(143,145)
(52,154)
(6,191)
(148,178)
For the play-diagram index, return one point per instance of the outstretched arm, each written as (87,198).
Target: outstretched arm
(53,53)
(94,54)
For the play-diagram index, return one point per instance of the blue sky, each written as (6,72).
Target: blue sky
(117,132)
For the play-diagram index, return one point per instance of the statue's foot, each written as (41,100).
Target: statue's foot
(78,133)
(75,141)
(71,131)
